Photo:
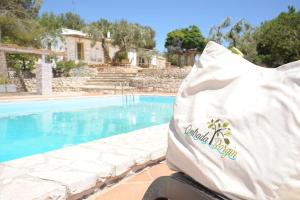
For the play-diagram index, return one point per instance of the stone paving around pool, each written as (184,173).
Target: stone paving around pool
(76,171)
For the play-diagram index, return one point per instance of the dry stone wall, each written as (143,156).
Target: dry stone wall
(62,84)
(146,80)
(84,72)
(160,80)
(3,65)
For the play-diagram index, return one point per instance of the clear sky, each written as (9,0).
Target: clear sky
(166,15)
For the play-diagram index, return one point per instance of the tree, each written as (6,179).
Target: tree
(236,32)
(17,22)
(216,33)
(278,40)
(98,32)
(18,26)
(72,21)
(247,45)
(241,37)
(183,40)
(50,22)
(126,36)
(145,37)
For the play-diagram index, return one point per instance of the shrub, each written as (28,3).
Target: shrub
(2,80)
(21,62)
(63,68)
(120,56)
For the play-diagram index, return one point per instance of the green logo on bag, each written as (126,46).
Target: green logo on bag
(219,128)
(216,137)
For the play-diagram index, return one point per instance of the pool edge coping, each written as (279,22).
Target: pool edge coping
(78,188)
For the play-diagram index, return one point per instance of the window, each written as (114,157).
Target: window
(80,51)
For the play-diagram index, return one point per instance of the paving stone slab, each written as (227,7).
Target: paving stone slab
(7,174)
(75,181)
(102,170)
(139,156)
(32,189)
(26,162)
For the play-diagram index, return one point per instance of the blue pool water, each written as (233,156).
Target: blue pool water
(28,128)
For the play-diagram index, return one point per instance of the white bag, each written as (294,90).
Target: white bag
(236,127)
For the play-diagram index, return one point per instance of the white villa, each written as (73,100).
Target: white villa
(77,45)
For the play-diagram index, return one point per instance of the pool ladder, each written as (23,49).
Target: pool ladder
(128,97)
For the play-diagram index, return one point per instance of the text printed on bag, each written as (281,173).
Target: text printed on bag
(216,137)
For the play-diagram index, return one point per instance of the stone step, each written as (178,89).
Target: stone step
(116,75)
(108,79)
(100,76)
(106,87)
(107,83)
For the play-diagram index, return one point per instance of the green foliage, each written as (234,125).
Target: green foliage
(236,32)
(216,33)
(278,40)
(182,40)
(2,80)
(72,21)
(145,37)
(247,45)
(173,59)
(21,62)
(147,55)
(98,31)
(17,22)
(53,23)
(50,22)
(127,36)
(21,8)
(63,68)
(120,56)
(239,37)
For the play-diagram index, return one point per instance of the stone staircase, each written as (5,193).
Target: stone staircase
(110,83)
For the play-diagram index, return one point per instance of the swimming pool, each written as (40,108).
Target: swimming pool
(28,128)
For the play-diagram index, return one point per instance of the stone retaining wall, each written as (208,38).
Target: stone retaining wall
(151,84)
(146,80)
(17,82)
(63,84)
(3,65)
(84,72)
(160,80)
(175,72)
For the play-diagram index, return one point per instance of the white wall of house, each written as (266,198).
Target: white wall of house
(132,58)
(92,52)
(154,61)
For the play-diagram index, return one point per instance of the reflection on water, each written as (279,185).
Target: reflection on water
(36,133)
